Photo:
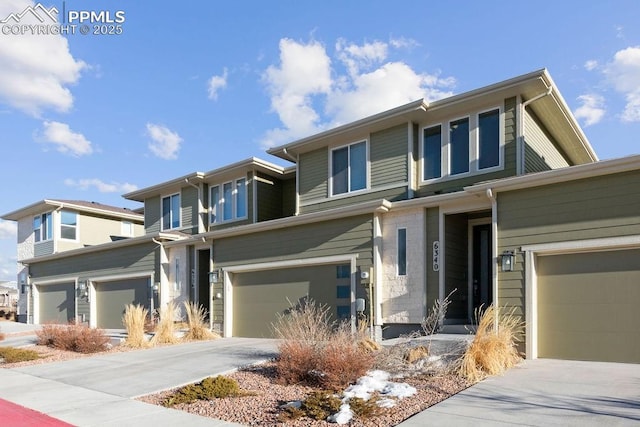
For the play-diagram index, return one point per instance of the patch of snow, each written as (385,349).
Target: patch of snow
(386,403)
(399,390)
(343,416)
(294,404)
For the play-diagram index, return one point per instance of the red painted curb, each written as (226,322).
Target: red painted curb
(18,416)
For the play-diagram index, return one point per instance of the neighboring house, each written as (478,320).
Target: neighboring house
(8,296)
(491,196)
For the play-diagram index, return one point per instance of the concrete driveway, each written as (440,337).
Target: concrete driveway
(98,391)
(545,392)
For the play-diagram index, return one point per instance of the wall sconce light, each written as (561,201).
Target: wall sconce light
(82,289)
(214,276)
(218,295)
(508,259)
(155,287)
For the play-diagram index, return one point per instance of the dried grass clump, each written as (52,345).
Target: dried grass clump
(165,330)
(134,319)
(318,351)
(76,338)
(493,349)
(414,354)
(15,355)
(198,329)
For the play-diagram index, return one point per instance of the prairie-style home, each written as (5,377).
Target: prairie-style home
(490,196)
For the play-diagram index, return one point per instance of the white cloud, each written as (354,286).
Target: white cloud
(624,74)
(101,186)
(65,140)
(309,92)
(591,65)
(8,230)
(592,109)
(37,70)
(216,83)
(164,142)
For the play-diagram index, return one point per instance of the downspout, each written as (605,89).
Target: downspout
(523,107)
(494,250)
(296,161)
(200,205)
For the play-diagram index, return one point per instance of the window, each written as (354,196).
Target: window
(68,225)
(343,271)
(343,291)
(349,168)
(489,139)
(229,202)
(402,252)
(459,146)
(127,228)
(432,146)
(43,227)
(171,212)
(343,311)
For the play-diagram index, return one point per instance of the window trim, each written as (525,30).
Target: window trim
(406,260)
(220,202)
(367,171)
(75,227)
(123,231)
(49,229)
(474,146)
(169,196)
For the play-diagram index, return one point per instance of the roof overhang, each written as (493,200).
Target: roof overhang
(47,204)
(158,189)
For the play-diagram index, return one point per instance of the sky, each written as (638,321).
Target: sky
(178,87)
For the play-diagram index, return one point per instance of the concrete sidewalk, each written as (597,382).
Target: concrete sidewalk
(544,392)
(99,390)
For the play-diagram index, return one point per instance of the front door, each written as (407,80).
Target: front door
(482,289)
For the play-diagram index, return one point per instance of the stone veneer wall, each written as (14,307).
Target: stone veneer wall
(25,251)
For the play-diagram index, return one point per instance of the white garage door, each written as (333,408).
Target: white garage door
(589,306)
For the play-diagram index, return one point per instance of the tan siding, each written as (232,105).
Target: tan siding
(314,173)
(541,153)
(388,156)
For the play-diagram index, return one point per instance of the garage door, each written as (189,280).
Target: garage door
(588,306)
(258,297)
(113,297)
(57,303)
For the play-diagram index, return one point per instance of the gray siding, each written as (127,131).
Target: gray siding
(392,194)
(453,184)
(313,170)
(288,197)
(189,214)
(599,207)
(541,151)
(269,198)
(152,215)
(43,248)
(388,156)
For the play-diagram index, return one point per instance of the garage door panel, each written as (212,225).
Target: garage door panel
(57,303)
(113,297)
(588,306)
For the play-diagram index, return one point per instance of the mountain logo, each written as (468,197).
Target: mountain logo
(40,12)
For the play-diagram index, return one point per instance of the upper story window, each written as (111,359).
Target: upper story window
(472,144)
(229,201)
(171,212)
(68,225)
(127,228)
(401,267)
(43,227)
(349,168)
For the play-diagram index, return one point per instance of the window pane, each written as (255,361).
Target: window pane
(358,166)
(343,291)
(166,213)
(227,206)
(67,232)
(343,271)
(68,218)
(489,139)
(343,311)
(402,252)
(36,228)
(459,146)
(127,228)
(47,227)
(431,152)
(339,168)
(175,211)
(215,203)
(241,198)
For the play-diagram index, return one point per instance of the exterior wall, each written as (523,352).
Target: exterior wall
(289,197)
(269,198)
(250,205)
(46,247)
(25,251)
(456,265)
(177,288)
(448,185)
(541,152)
(388,173)
(598,207)
(127,260)
(189,208)
(152,214)
(432,217)
(403,298)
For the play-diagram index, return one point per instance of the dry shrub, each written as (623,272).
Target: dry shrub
(414,354)
(198,329)
(134,320)
(218,387)
(76,338)
(318,351)
(165,329)
(15,355)
(493,349)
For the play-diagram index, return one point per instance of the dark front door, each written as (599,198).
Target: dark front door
(482,273)
(203,279)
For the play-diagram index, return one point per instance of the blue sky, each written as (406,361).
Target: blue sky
(197,86)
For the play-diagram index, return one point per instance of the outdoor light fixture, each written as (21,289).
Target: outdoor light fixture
(25,288)
(82,289)
(214,276)
(508,260)
(156,287)
(218,295)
